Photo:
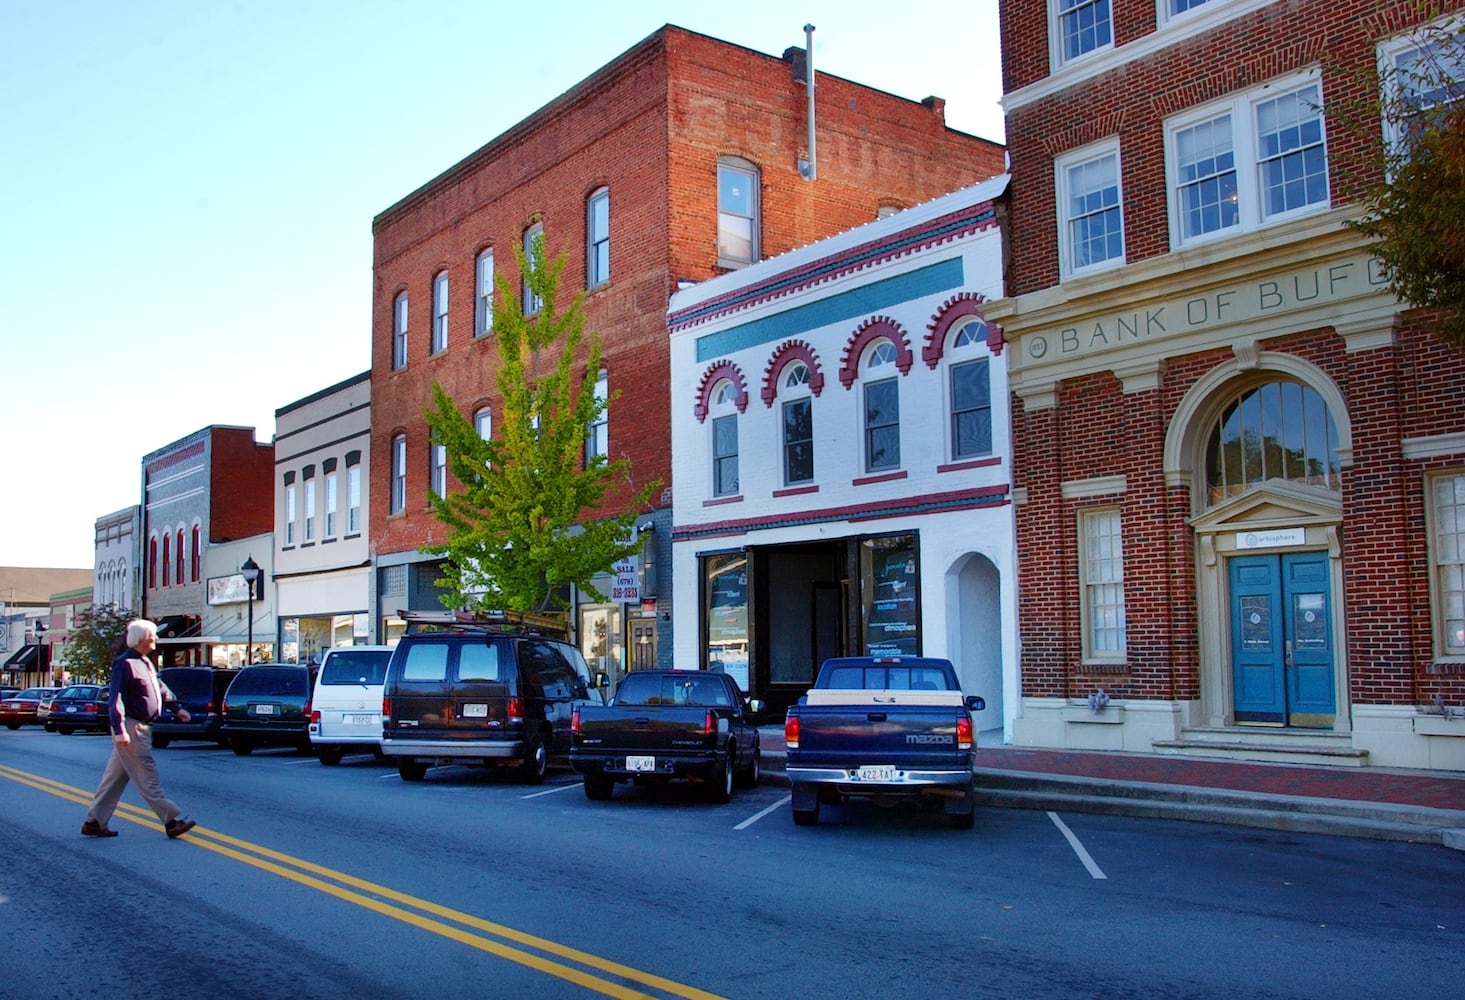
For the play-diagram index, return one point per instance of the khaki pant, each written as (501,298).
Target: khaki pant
(133,762)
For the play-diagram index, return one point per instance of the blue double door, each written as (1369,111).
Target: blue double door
(1282,640)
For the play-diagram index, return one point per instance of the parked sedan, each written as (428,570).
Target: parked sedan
(81,706)
(21,710)
(43,710)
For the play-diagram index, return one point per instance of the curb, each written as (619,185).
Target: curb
(1295,814)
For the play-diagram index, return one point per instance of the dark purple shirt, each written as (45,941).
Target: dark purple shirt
(132,694)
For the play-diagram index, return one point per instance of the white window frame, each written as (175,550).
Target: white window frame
(1445,518)
(399,474)
(353,498)
(532,303)
(1166,12)
(597,435)
(290,514)
(879,357)
(310,509)
(399,332)
(968,347)
(483,298)
(331,502)
(1063,168)
(437,455)
(1058,12)
(794,390)
(753,213)
(440,312)
(1101,585)
(1450,30)
(723,413)
(597,238)
(1242,109)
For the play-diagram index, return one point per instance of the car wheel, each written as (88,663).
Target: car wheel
(12,725)
(241,747)
(599,788)
(330,756)
(720,784)
(807,817)
(50,727)
(748,776)
(411,770)
(159,742)
(536,761)
(66,731)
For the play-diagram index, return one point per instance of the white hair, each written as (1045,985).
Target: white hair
(138,629)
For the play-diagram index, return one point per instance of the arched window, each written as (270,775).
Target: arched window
(167,556)
(440,312)
(1278,430)
(399,331)
(797,407)
(724,439)
(882,408)
(971,391)
(179,556)
(194,553)
(399,474)
(153,562)
(597,238)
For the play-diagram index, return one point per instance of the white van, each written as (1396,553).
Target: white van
(346,709)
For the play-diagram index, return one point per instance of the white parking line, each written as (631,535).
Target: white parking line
(551,791)
(1078,848)
(759,815)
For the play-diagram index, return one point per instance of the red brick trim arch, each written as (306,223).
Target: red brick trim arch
(789,351)
(952,312)
(718,371)
(869,331)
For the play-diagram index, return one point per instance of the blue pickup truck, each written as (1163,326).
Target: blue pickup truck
(883,728)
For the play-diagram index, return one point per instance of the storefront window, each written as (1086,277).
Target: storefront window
(600,640)
(888,592)
(726,613)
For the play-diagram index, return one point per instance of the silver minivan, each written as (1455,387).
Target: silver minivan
(346,709)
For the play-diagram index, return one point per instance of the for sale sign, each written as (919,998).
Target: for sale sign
(627,585)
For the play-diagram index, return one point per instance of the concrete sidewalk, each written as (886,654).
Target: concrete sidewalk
(1380,803)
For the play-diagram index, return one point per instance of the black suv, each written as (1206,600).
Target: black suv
(200,690)
(268,704)
(495,690)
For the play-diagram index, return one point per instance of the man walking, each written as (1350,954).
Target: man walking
(134,699)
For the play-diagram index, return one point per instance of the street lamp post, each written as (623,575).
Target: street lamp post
(250,569)
(42,666)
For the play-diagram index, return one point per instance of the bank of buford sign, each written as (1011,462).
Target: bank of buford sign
(1278,294)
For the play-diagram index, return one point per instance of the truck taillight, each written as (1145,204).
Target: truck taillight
(964,734)
(791,733)
(226,708)
(386,710)
(575,721)
(516,709)
(709,723)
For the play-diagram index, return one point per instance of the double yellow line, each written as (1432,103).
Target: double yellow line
(548,957)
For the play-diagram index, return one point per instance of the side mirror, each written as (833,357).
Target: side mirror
(755,705)
(602,679)
(975,703)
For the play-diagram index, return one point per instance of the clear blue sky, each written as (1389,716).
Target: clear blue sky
(187,189)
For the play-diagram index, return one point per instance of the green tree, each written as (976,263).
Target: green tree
(98,634)
(1414,217)
(523,526)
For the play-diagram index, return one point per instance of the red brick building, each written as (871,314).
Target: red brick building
(1240,466)
(679,160)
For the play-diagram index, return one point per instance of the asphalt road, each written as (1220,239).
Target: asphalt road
(307,881)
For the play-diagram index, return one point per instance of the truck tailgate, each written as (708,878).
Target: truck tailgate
(644,729)
(909,735)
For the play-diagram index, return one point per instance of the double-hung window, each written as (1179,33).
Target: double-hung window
(483,297)
(1423,73)
(798,425)
(597,238)
(1251,160)
(737,213)
(724,439)
(533,242)
(1101,579)
(440,313)
(1447,562)
(310,506)
(399,474)
(353,498)
(331,505)
(1081,27)
(399,331)
(971,393)
(1091,222)
(439,461)
(290,508)
(882,409)
(597,435)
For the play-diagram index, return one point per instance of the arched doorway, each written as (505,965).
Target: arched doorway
(974,593)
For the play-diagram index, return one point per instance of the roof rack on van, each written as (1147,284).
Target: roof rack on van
(486,621)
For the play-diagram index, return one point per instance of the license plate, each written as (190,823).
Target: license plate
(640,763)
(264,710)
(71,708)
(475,711)
(360,720)
(882,772)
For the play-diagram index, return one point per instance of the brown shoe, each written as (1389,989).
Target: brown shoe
(178,827)
(91,828)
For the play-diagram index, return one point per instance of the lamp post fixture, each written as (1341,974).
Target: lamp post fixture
(250,569)
(41,665)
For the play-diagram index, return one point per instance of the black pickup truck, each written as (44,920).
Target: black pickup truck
(883,728)
(665,724)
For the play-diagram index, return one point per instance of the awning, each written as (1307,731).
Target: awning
(172,626)
(21,659)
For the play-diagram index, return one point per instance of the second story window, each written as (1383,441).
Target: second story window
(971,393)
(1081,27)
(181,559)
(399,474)
(1424,74)
(353,498)
(290,510)
(483,297)
(724,439)
(737,213)
(439,460)
(1251,160)
(882,409)
(533,239)
(167,556)
(798,425)
(310,508)
(597,435)
(399,331)
(440,313)
(331,501)
(1091,224)
(194,554)
(597,238)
